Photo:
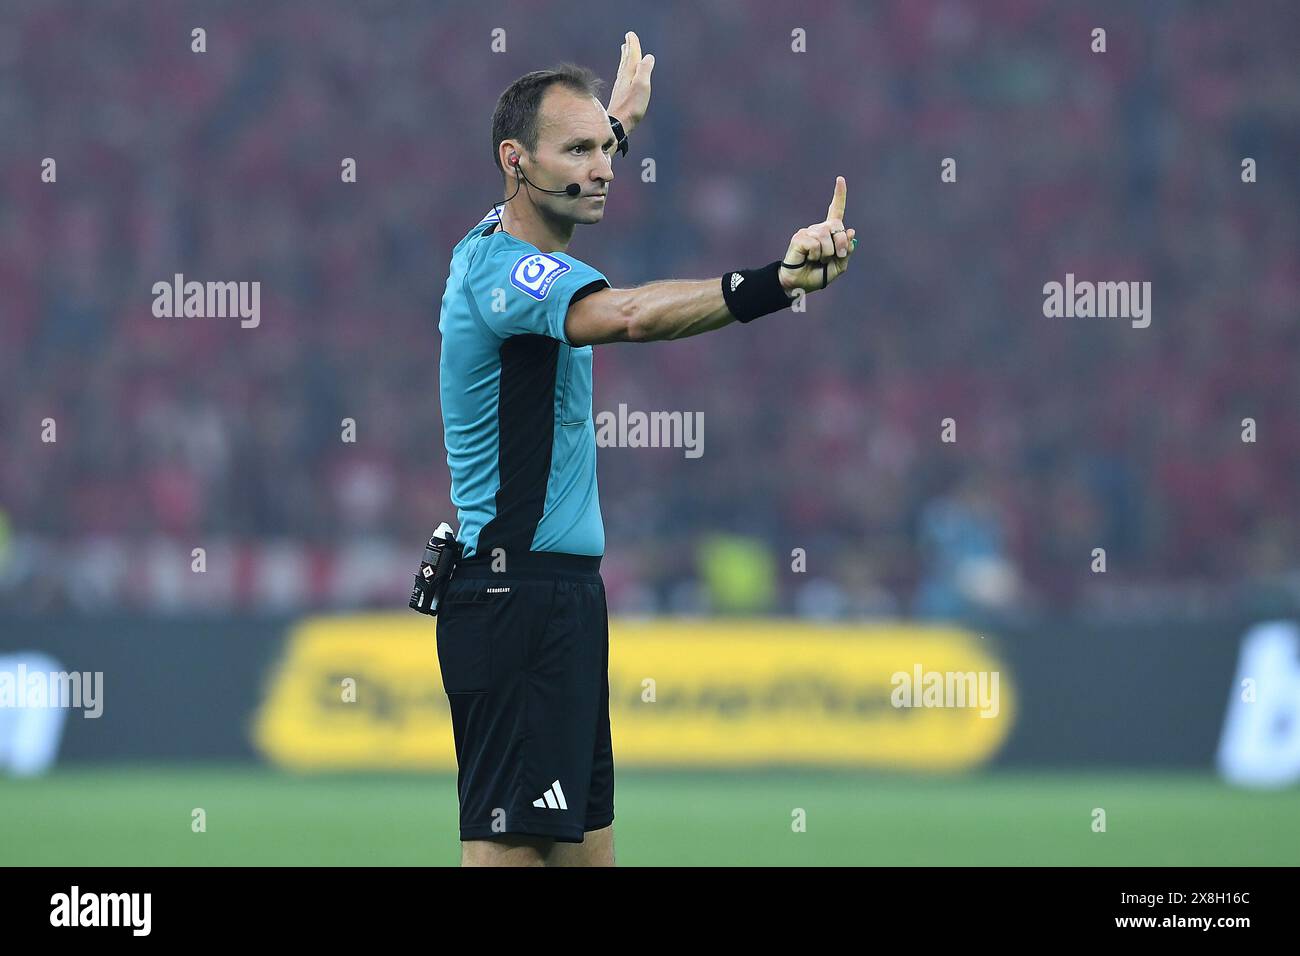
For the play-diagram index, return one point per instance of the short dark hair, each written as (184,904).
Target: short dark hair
(517,113)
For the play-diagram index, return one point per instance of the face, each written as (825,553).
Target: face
(574,145)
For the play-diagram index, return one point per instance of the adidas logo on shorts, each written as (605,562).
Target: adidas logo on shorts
(553,798)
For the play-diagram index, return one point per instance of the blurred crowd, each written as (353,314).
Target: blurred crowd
(823,431)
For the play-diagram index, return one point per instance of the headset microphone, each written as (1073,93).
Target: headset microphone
(573,189)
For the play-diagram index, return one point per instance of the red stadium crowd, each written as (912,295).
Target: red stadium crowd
(823,431)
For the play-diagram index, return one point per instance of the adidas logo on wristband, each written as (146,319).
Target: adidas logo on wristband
(761,295)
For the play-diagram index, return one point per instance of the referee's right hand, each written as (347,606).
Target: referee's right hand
(825,244)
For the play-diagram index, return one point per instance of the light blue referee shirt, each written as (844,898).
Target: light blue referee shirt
(516,397)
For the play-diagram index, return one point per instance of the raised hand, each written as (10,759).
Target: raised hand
(630,97)
(819,254)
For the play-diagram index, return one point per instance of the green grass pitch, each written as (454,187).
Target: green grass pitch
(132,816)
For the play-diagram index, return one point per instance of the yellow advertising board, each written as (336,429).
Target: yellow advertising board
(365,691)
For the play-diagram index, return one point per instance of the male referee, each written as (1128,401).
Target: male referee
(523,640)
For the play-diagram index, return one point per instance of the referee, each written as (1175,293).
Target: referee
(523,639)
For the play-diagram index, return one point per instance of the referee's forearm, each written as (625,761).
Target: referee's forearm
(674,309)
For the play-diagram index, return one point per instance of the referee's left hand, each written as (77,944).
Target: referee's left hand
(819,254)
(630,97)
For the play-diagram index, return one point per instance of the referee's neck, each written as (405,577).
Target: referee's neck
(535,227)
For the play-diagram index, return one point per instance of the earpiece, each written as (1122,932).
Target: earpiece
(572,190)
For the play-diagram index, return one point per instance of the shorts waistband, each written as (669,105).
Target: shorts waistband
(540,563)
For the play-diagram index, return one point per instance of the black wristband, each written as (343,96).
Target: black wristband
(619,135)
(750,293)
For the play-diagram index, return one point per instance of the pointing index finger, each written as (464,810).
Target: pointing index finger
(836,208)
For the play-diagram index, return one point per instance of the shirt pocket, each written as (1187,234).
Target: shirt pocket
(575,389)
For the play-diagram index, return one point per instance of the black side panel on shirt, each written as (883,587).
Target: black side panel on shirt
(526,429)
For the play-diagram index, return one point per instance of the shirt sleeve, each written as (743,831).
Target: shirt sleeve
(536,290)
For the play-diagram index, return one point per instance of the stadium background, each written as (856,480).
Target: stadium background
(822,431)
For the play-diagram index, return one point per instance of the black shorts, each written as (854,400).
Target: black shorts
(525,663)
